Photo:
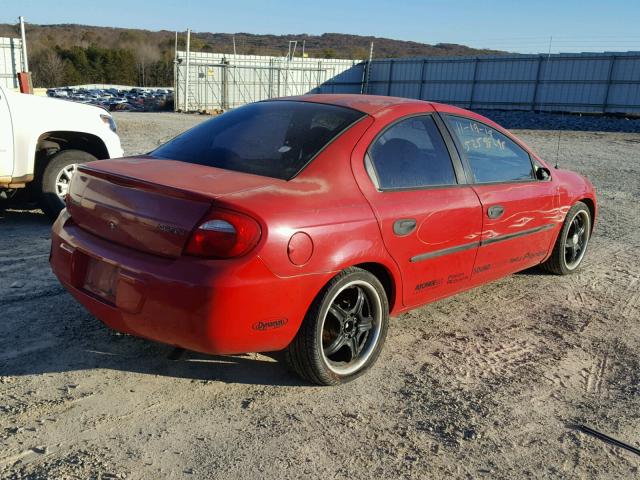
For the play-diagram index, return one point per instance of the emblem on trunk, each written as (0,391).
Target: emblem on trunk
(112,226)
(171,229)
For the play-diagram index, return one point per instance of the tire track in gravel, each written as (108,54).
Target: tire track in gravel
(595,376)
(486,361)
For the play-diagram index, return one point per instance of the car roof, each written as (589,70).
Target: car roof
(369,104)
(377,105)
(372,104)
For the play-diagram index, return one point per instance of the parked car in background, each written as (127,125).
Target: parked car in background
(42,142)
(140,99)
(304,223)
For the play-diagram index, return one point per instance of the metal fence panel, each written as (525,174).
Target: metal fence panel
(223,81)
(10,61)
(598,83)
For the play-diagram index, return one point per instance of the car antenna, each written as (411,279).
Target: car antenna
(558,147)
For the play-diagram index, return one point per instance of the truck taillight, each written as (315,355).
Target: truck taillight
(224,234)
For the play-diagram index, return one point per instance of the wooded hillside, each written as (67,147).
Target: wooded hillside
(74,54)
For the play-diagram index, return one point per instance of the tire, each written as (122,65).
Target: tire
(575,232)
(350,314)
(51,193)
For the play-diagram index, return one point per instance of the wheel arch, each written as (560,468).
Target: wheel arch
(592,209)
(387,279)
(50,143)
(72,140)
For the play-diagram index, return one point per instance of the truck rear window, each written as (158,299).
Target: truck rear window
(274,139)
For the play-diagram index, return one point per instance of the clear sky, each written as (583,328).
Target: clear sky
(519,26)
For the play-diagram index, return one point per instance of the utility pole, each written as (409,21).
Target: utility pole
(24,77)
(25,61)
(175,73)
(186,75)
(304,90)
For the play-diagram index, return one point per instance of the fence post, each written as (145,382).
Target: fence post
(225,81)
(204,86)
(473,82)
(286,75)
(187,72)
(610,76)
(535,88)
(279,70)
(175,75)
(390,76)
(270,88)
(365,76)
(422,70)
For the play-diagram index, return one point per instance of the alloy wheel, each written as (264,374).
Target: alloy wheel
(351,327)
(576,240)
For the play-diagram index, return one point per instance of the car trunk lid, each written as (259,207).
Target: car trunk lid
(156,210)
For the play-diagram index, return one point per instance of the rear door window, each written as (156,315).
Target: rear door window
(411,154)
(492,156)
(274,139)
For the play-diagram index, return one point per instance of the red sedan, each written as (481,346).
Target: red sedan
(305,223)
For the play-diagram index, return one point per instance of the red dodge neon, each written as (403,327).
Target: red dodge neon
(303,223)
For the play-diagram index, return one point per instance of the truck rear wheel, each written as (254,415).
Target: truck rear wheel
(56,178)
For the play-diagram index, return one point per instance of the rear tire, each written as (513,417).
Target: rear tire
(572,242)
(343,332)
(56,178)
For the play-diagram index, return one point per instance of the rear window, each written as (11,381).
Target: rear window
(273,139)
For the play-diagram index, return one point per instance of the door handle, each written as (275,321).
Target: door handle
(495,212)
(404,226)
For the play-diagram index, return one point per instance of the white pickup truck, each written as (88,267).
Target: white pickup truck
(43,139)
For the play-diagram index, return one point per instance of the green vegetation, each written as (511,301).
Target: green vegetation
(76,54)
(93,64)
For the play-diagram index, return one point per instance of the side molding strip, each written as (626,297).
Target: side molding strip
(488,241)
(509,236)
(444,251)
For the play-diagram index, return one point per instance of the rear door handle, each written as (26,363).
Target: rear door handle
(404,226)
(495,212)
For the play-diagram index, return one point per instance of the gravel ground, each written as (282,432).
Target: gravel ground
(488,384)
(563,121)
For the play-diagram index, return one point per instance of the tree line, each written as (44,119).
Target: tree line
(59,66)
(77,54)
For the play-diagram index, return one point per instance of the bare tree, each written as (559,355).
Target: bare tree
(146,54)
(48,69)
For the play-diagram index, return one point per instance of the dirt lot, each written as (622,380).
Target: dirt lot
(488,384)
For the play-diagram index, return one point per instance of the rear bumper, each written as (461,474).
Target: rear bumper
(211,306)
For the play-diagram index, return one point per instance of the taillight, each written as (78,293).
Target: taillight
(224,234)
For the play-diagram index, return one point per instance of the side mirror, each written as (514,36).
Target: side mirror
(543,173)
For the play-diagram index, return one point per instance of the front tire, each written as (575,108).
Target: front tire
(572,241)
(56,178)
(344,330)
